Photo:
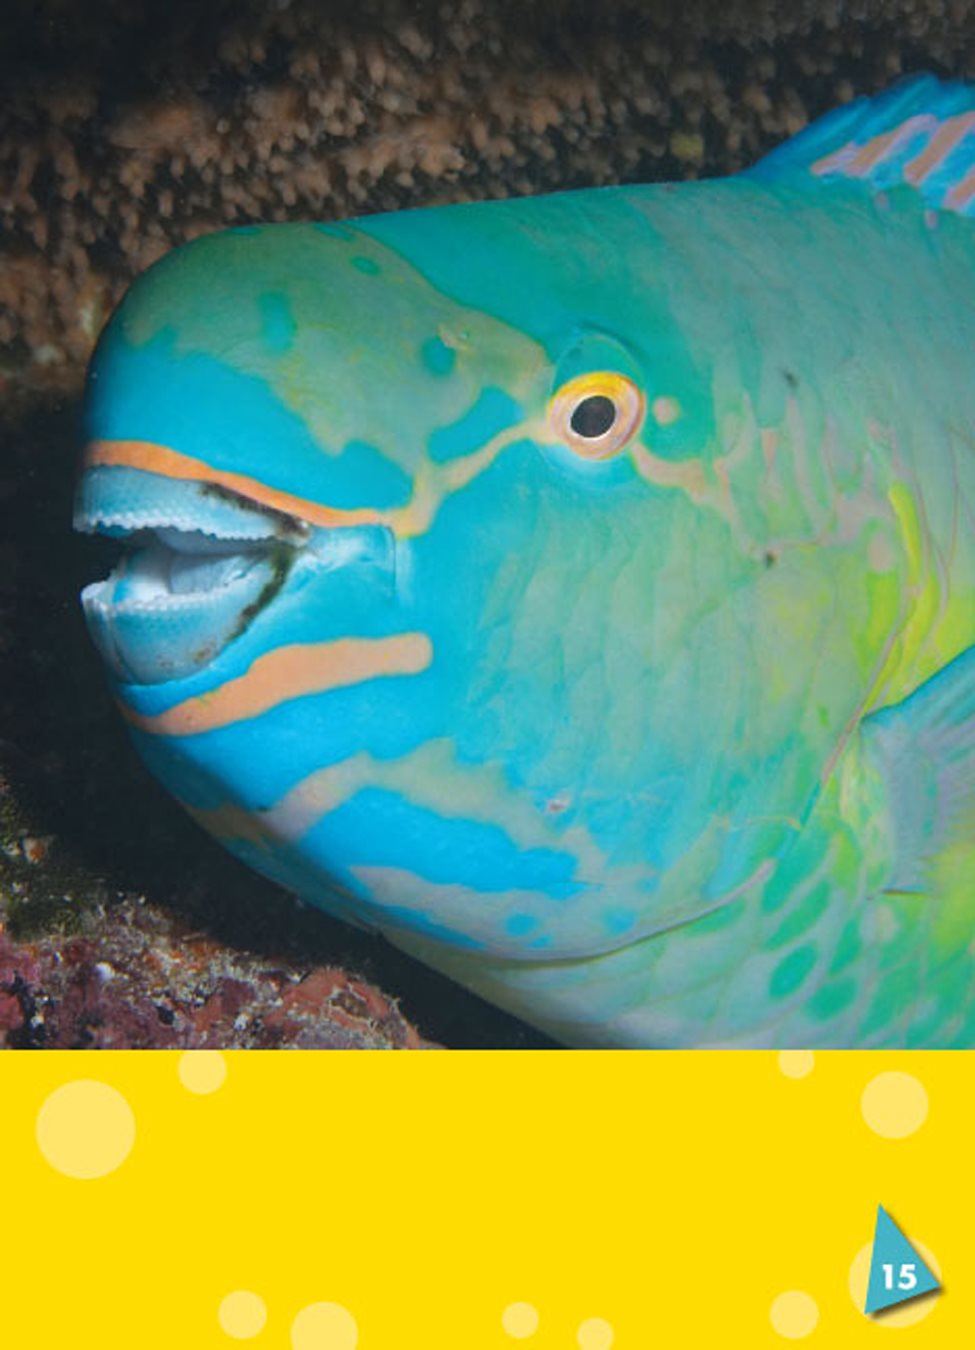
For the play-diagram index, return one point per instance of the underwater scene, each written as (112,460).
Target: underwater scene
(488,525)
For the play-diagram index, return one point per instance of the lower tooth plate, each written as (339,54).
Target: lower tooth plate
(149,638)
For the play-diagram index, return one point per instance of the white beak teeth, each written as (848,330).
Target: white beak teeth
(199,565)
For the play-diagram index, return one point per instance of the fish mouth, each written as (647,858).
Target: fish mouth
(199,562)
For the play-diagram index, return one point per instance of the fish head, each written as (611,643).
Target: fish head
(432,608)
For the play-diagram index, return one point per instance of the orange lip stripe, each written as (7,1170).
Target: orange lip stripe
(172,464)
(286,673)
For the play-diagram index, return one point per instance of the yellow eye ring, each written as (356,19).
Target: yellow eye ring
(597,414)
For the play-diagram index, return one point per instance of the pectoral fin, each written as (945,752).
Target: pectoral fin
(924,751)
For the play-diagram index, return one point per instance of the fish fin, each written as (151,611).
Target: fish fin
(924,750)
(920,133)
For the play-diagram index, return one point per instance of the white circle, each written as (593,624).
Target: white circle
(324,1326)
(242,1314)
(794,1314)
(520,1320)
(595,1333)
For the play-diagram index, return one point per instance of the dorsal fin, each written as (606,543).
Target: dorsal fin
(920,133)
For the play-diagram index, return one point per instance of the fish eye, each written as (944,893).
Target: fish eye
(597,414)
(593,416)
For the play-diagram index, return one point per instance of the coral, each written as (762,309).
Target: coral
(137,979)
(83,967)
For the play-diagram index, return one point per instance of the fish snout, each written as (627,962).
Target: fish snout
(200,563)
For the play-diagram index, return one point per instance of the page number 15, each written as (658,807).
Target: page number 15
(906,1276)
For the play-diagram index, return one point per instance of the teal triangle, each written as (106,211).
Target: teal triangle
(897,1271)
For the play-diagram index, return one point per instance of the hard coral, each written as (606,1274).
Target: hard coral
(140,979)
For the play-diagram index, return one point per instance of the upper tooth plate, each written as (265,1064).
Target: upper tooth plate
(113,499)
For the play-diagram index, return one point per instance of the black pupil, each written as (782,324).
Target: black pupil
(593,416)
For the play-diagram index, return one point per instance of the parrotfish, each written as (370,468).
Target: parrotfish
(580,590)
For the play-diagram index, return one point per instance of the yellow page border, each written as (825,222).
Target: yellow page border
(466,1201)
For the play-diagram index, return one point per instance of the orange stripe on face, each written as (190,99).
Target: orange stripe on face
(286,673)
(172,464)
